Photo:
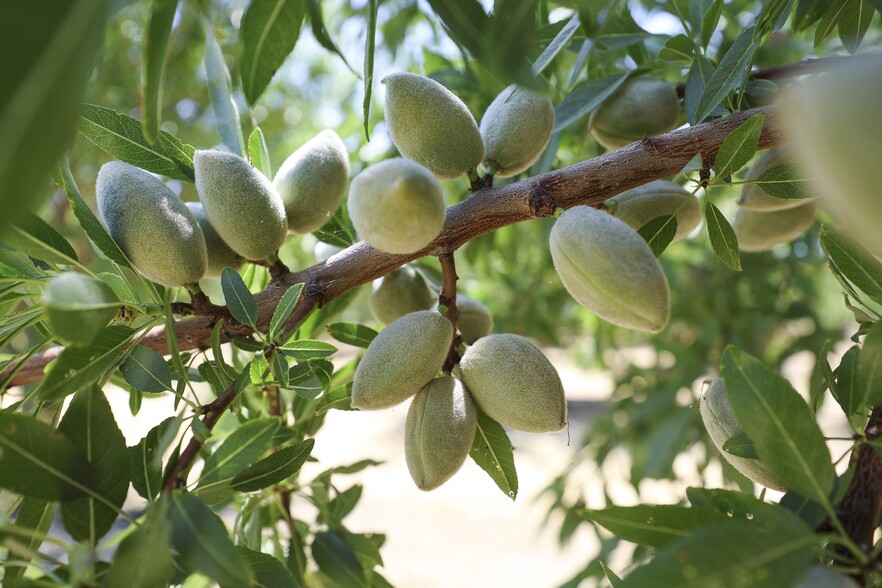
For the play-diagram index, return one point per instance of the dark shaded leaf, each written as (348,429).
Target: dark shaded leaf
(145,370)
(34,237)
(269,572)
(739,147)
(740,446)
(854,262)
(653,525)
(729,74)
(584,98)
(659,232)
(144,558)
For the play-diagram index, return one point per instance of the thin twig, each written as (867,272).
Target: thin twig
(447,299)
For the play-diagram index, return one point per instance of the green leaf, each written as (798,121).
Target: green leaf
(121,288)
(722,236)
(276,468)
(220,89)
(830,20)
(847,389)
(269,572)
(653,525)
(145,458)
(37,461)
(34,237)
(370,46)
(611,577)
(854,262)
(304,349)
(729,74)
(339,398)
(146,370)
(679,49)
(320,32)
(239,299)
(710,20)
(740,446)
(739,147)
(557,44)
(144,558)
(493,452)
(352,334)
(203,543)
(17,266)
(701,71)
(731,555)
(238,451)
(122,137)
(268,33)
(780,424)
(869,367)
(584,98)
(90,425)
(659,232)
(76,368)
(745,507)
(153,56)
(336,559)
(49,49)
(284,309)
(338,231)
(303,380)
(783,181)
(258,152)
(35,516)
(855,22)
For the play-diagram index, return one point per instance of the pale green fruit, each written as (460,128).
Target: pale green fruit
(721,425)
(834,128)
(400,292)
(439,432)
(608,268)
(403,358)
(78,306)
(241,204)
(474,320)
(516,129)
(641,107)
(151,225)
(760,231)
(514,383)
(431,126)
(219,253)
(397,206)
(824,577)
(638,206)
(312,182)
(755,198)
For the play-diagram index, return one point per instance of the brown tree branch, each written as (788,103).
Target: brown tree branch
(587,183)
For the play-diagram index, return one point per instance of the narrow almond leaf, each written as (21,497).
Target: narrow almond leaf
(854,262)
(144,558)
(17,266)
(584,98)
(146,370)
(869,368)
(493,452)
(284,309)
(739,147)
(847,389)
(239,450)
(659,232)
(370,46)
(268,33)
(741,446)
(153,57)
(855,22)
(90,425)
(780,424)
(336,559)
(258,153)
(320,32)
(339,398)
(304,349)
(239,299)
(784,181)
(145,458)
(830,20)
(722,236)
(220,89)
(653,525)
(710,20)
(556,45)
(701,71)
(276,468)
(729,74)
(269,572)
(36,517)
(34,237)
(611,576)
(304,382)
(203,543)
(352,334)
(679,49)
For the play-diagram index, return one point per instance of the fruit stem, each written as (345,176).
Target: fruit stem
(447,299)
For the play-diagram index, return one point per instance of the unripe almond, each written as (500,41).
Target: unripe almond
(753,197)
(760,231)
(608,268)
(514,383)
(78,306)
(638,206)
(641,107)
(824,577)
(439,432)
(431,126)
(312,182)
(474,320)
(516,129)
(150,224)
(241,204)
(721,425)
(219,253)
(403,358)
(397,206)
(400,292)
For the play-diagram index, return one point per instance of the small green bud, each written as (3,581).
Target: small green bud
(760,231)
(431,126)
(516,129)
(638,206)
(403,358)
(312,182)
(641,107)
(241,204)
(397,206)
(608,268)
(721,425)
(401,292)
(219,253)
(150,224)
(78,307)
(514,383)
(439,432)
(474,320)
(753,197)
